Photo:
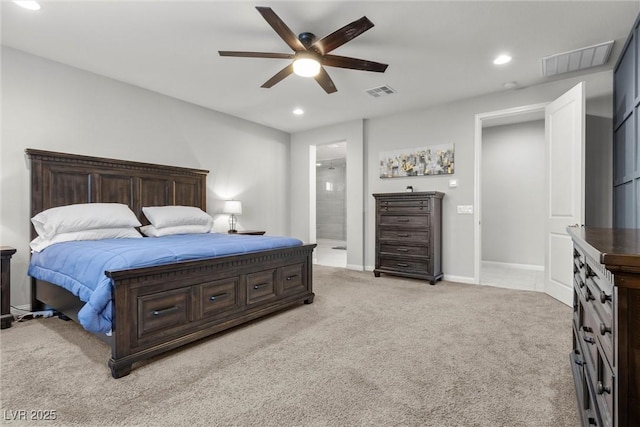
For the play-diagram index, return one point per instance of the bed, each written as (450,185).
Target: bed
(159,308)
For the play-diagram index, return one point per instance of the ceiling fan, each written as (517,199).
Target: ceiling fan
(310,54)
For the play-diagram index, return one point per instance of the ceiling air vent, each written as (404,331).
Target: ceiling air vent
(575,60)
(377,92)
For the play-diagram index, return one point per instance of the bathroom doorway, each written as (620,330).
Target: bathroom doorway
(331,203)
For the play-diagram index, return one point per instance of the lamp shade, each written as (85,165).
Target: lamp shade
(306,64)
(233,207)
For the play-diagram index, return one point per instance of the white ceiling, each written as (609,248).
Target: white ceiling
(437,51)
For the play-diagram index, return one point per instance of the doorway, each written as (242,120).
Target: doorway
(510,186)
(564,120)
(331,204)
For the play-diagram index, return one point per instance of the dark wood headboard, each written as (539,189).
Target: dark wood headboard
(59,179)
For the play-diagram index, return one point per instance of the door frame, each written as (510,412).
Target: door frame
(479,118)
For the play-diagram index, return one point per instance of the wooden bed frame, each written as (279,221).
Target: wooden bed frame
(160,308)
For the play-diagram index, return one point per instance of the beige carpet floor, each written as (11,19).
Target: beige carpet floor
(368,352)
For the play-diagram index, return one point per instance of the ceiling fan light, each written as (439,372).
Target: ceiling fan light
(306,67)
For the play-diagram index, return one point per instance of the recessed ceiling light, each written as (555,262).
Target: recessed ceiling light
(31,5)
(298,111)
(502,59)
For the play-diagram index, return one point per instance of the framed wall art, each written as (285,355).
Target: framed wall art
(420,161)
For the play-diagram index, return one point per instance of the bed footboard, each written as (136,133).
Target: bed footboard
(160,308)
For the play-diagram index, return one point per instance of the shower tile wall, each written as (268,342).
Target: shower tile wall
(330,200)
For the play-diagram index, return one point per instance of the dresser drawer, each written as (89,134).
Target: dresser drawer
(405,206)
(218,297)
(587,331)
(603,385)
(603,301)
(292,278)
(417,236)
(412,221)
(162,312)
(261,286)
(405,265)
(600,304)
(399,249)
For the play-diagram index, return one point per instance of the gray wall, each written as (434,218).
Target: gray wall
(331,220)
(50,106)
(513,193)
(599,172)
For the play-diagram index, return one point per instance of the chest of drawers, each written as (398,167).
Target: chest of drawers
(409,235)
(605,358)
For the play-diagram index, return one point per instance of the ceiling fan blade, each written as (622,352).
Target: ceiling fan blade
(325,81)
(343,35)
(255,54)
(281,28)
(353,63)
(286,71)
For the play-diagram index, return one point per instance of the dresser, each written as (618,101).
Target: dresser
(605,358)
(409,235)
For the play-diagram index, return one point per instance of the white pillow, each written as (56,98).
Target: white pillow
(39,243)
(171,216)
(87,216)
(151,231)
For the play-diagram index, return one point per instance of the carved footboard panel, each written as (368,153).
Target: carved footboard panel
(161,308)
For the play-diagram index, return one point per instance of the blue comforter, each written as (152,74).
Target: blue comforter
(79,266)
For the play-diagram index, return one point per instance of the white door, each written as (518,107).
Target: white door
(564,131)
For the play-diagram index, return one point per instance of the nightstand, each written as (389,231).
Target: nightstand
(6,253)
(251,232)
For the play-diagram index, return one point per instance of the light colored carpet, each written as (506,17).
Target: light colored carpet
(368,352)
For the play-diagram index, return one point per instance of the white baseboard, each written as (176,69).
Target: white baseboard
(21,309)
(514,266)
(459,279)
(354,267)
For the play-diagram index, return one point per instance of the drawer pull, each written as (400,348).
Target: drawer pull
(401,264)
(604,297)
(590,272)
(403,219)
(403,250)
(603,389)
(165,310)
(261,285)
(579,362)
(292,277)
(587,329)
(215,297)
(581,283)
(589,340)
(580,264)
(403,235)
(604,329)
(590,296)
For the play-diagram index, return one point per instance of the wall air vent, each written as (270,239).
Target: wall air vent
(377,92)
(575,60)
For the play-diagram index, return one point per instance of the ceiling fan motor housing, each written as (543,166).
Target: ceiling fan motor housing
(307,39)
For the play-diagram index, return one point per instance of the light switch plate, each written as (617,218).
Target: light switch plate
(453,183)
(465,209)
